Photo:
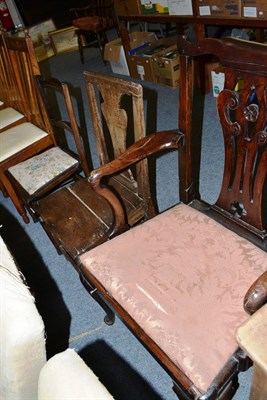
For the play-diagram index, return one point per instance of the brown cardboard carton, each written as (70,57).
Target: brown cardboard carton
(141,64)
(167,67)
(219,8)
(254,9)
(114,51)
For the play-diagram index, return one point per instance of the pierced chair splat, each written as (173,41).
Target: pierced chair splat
(179,280)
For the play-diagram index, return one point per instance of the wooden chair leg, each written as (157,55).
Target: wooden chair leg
(8,188)
(80,45)
(3,190)
(110,316)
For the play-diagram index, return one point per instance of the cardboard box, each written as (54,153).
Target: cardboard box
(254,9)
(128,7)
(114,51)
(141,64)
(167,67)
(180,7)
(219,8)
(217,79)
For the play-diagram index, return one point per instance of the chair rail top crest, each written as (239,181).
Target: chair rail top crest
(254,55)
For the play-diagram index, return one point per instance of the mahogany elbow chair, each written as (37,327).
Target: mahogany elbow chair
(180,279)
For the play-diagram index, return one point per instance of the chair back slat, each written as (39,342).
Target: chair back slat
(25,67)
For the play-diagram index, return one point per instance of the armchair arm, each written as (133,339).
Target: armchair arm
(143,148)
(256,296)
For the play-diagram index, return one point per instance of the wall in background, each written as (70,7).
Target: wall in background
(33,12)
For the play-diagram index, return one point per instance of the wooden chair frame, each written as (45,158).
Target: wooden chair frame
(104,11)
(23,67)
(59,125)
(241,205)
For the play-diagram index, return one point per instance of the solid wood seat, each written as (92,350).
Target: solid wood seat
(181,279)
(84,211)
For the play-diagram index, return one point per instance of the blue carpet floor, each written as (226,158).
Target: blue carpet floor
(71,317)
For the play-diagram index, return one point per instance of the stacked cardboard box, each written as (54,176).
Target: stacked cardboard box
(114,51)
(254,9)
(141,63)
(219,8)
(166,66)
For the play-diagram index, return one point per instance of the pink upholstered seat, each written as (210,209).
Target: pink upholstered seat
(193,269)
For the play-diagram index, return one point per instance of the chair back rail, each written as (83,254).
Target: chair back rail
(242,110)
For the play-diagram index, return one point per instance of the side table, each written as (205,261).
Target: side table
(252,338)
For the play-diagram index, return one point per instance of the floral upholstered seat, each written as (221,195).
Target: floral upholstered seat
(39,170)
(185,265)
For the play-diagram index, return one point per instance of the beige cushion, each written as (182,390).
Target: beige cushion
(1,103)
(37,171)
(66,377)
(22,340)
(8,116)
(18,138)
(182,277)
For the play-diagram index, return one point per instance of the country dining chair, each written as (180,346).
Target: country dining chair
(86,219)
(184,280)
(25,139)
(58,165)
(12,111)
(93,21)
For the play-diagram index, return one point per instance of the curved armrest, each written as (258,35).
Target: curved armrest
(256,296)
(143,148)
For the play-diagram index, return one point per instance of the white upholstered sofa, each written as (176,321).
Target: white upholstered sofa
(25,373)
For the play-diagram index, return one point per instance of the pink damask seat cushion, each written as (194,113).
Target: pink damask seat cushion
(182,277)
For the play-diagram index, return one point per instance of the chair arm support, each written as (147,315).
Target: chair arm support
(256,296)
(143,148)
